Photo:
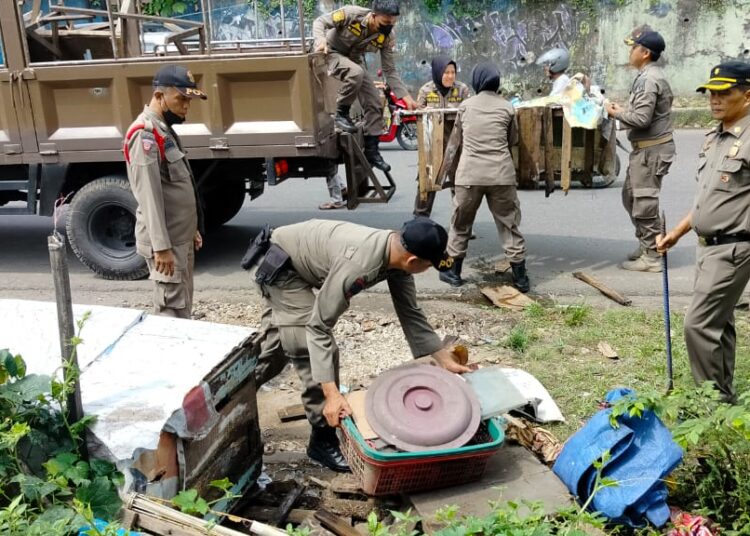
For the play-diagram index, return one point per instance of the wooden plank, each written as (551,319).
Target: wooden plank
(294,412)
(356,400)
(335,524)
(604,289)
(549,151)
(566,156)
(282,513)
(266,513)
(531,159)
(436,156)
(587,176)
(451,157)
(422,156)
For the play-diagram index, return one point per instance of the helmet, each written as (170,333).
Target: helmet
(557,59)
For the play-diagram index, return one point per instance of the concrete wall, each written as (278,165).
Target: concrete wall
(514,33)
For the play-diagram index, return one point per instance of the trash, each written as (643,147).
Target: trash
(264,480)
(535,438)
(356,400)
(641,454)
(606,350)
(543,407)
(496,394)
(507,297)
(690,525)
(459,351)
(100,526)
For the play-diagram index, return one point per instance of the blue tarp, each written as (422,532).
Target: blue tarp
(642,454)
(101,525)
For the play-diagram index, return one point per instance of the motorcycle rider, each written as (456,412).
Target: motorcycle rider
(443,91)
(556,61)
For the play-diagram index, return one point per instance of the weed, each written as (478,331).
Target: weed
(518,339)
(576,315)
(535,311)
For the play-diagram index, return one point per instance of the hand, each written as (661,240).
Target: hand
(322,47)
(613,109)
(664,242)
(336,407)
(198,241)
(445,359)
(411,104)
(164,261)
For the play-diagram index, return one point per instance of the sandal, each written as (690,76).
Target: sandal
(332,205)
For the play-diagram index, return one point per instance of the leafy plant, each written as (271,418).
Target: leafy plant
(170,8)
(576,315)
(189,502)
(518,339)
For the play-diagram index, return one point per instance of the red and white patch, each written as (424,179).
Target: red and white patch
(147,144)
(724,178)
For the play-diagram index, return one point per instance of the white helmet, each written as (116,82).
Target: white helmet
(556,59)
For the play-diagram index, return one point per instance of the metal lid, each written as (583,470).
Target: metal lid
(422,408)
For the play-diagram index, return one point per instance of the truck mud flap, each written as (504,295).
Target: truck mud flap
(362,183)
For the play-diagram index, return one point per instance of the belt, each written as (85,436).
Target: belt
(643,144)
(718,240)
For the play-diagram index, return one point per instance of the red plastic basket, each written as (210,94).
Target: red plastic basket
(417,473)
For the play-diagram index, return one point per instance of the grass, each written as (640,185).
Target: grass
(558,345)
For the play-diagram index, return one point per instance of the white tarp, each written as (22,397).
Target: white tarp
(136,368)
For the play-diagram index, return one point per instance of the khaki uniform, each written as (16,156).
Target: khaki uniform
(348,37)
(430,97)
(168,213)
(649,120)
(330,263)
(722,207)
(487,124)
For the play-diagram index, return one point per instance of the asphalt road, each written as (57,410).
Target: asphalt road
(586,230)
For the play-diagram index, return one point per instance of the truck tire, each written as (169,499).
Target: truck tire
(101,229)
(223,201)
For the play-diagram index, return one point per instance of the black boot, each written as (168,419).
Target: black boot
(343,121)
(373,154)
(453,276)
(324,449)
(520,277)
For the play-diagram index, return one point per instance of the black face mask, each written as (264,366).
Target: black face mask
(385,29)
(171,118)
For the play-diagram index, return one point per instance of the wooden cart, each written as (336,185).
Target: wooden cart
(549,150)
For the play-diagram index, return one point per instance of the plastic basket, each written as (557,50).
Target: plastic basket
(400,472)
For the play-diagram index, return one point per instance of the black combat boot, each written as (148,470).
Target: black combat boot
(343,121)
(373,154)
(324,449)
(520,277)
(453,276)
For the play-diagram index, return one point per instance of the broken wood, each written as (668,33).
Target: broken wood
(351,508)
(345,484)
(318,482)
(606,350)
(604,289)
(282,513)
(294,412)
(335,524)
(566,156)
(266,513)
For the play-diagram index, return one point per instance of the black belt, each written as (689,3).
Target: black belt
(718,240)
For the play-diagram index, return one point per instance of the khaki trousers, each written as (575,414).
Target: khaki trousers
(287,305)
(173,295)
(506,210)
(640,192)
(357,84)
(720,277)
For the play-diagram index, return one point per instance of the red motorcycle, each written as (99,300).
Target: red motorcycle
(399,124)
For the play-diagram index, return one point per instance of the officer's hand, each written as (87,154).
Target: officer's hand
(411,104)
(664,242)
(336,407)
(445,359)
(613,109)
(322,47)
(164,261)
(198,241)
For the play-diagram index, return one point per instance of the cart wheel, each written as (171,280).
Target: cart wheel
(605,181)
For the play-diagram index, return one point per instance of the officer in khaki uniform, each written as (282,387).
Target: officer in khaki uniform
(444,91)
(308,278)
(486,124)
(721,219)
(648,118)
(169,216)
(344,36)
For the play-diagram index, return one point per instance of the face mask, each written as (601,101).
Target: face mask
(171,118)
(386,29)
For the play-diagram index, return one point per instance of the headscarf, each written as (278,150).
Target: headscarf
(485,77)
(439,65)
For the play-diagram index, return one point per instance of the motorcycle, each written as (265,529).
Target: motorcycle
(399,125)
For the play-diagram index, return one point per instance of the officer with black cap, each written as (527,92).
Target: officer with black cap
(344,36)
(648,118)
(721,219)
(308,277)
(169,219)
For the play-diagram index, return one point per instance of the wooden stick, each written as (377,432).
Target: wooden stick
(281,515)
(604,289)
(291,413)
(335,524)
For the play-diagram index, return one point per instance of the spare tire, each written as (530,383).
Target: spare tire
(101,229)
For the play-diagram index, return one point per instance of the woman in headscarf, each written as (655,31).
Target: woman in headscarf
(444,91)
(487,124)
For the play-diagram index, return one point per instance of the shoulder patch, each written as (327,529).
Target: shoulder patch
(338,15)
(356,287)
